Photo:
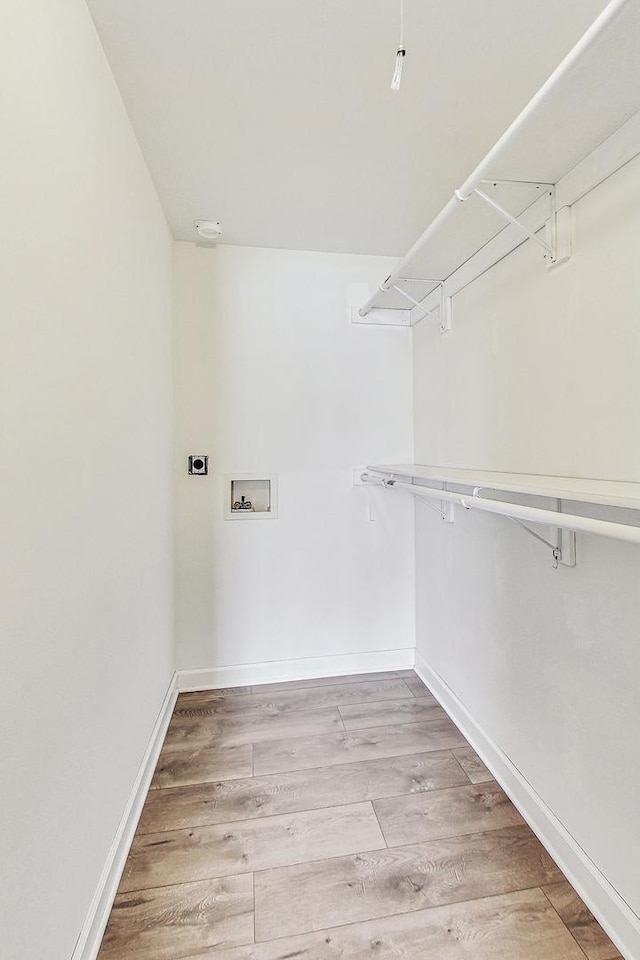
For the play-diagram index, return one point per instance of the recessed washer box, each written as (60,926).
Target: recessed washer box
(250,496)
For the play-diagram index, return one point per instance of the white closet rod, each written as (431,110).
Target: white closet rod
(482,171)
(568,521)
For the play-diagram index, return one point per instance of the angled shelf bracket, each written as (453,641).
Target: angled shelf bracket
(443,316)
(556,243)
(445,509)
(563,551)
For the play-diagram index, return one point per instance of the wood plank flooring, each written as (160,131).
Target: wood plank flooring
(230,800)
(222,849)
(335,818)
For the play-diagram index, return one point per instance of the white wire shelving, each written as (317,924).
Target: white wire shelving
(580,127)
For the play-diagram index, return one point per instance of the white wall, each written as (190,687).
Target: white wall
(540,375)
(85,480)
(271,376)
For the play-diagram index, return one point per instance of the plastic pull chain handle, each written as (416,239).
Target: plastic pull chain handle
(401,54)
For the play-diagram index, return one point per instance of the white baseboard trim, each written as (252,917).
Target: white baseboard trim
(88,942)
(308,668)
(613,913)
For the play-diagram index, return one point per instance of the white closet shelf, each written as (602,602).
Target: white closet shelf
(606,493)
(490,491)
(578,129)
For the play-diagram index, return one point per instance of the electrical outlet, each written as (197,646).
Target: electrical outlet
(198,465)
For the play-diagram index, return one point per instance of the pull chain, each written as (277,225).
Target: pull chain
(400,55)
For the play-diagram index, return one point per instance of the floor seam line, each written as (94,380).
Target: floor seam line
(567,928)
(403,913)
(384,836)
(253,884)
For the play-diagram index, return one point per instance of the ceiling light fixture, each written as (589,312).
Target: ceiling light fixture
(208,229)
(401,54)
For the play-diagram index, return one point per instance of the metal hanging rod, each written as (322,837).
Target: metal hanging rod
(373,480)
(483,170)
(517,511)
(419,280)
(500,181)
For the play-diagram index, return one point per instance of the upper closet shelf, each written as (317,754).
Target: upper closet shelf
(581,126)
(607,493)
(502,493)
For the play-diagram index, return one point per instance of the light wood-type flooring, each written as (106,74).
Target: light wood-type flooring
(330,819)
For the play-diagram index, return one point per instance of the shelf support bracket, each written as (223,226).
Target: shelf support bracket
(446,510)
(563,551)
(557,240)
(443,316)
(549,248)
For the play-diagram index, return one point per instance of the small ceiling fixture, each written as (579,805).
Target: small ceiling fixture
(401,54)
(208,229)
